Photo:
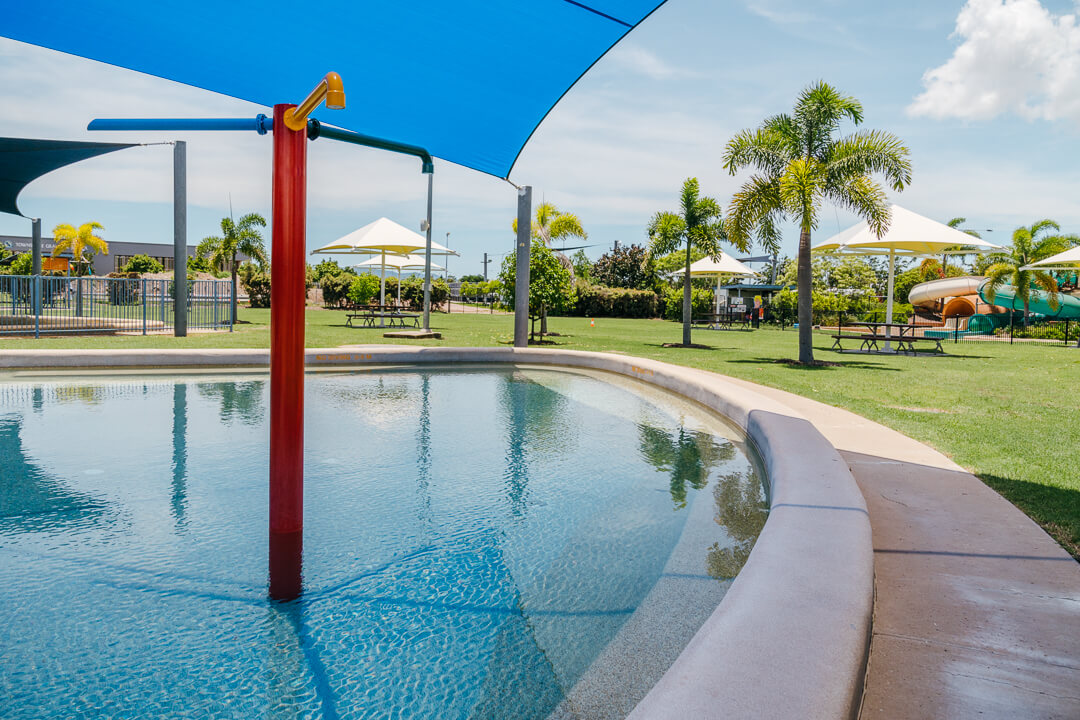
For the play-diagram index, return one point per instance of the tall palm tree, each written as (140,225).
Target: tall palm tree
(1027,247)
(699,226)
(81,242)
(552,224)
(236,238)
(800,163)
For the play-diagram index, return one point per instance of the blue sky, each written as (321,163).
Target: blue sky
(986,94)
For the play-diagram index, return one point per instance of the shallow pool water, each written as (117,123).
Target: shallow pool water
(473,540)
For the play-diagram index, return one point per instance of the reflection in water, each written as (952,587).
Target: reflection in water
(179,455)
(535,418)
(239,400)
(513,398)
(741,509)
(423,454)
(689,455)
(30,499)
(85,394)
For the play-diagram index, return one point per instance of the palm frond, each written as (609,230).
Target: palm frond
(566,225)
(666,231)
(801,188)
(865,198)
(871,151)
(1049,285)
(753,211)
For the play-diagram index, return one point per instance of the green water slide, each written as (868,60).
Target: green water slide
(1039,302)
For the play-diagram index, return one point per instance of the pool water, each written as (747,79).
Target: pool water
(473,540)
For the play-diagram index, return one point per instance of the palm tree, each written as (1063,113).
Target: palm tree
(81,242)
(1027,247)
(236,238)
(699,226)
(799,164)
(553,224)
(955,224)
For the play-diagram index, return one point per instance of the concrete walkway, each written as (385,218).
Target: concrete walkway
(977,610)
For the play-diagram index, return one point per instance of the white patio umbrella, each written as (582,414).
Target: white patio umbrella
(909,235)
(398,263)
(724,266)
(384,237)
(1068,260)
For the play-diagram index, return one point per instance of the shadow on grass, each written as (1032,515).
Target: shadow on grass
(695,346)
(1056,509)
(792,365)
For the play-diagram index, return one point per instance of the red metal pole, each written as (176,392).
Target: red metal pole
(287,301)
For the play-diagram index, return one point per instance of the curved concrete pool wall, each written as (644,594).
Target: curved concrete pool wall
(790,638)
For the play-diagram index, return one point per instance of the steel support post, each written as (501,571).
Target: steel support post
(180,289)
(521,281)
(427,255)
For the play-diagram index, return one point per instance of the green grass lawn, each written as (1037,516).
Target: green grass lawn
(1007,413)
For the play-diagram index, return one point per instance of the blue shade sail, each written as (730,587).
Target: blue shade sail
(23,161)
(469,80)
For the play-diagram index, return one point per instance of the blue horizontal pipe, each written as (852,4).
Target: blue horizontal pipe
(318,130)
(263,124)
(259,124)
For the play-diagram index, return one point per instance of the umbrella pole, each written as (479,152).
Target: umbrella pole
(399,288)
(888,300)
(717,294)
(382,291)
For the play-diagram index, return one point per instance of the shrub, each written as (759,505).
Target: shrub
(257,285)
(363,288)
(197,264)
(140,264)
(600,301)
(412,292)
(701,303)
(23,264)
(124,288)
(626,267)
(335,289)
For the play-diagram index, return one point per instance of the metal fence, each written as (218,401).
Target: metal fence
(38,305)
(1006,328)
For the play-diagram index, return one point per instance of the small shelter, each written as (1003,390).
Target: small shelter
(909,235)
(723,267)
(1068,260)
(384,238)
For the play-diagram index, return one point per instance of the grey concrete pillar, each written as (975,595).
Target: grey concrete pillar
(521,281)
(180,238)
(35,225)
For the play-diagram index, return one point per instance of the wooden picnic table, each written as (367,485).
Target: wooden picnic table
(904,337)
(723,321)
(390,314)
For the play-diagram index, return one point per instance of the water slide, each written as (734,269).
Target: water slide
(1039,303)
(959,296)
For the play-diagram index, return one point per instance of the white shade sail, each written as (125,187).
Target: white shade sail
(383,236)
(724,265)
(909,235)
(1068,260)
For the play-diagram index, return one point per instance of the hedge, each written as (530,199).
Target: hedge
(601,301)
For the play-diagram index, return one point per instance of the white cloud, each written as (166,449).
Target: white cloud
(1015,56)
(638,60)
